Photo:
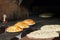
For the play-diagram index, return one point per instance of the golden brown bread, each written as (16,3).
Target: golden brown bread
(21,25)
(29,21)
(13,29)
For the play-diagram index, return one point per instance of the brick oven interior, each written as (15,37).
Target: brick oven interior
(37,7)
(23,9)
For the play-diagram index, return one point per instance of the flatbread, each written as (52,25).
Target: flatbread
(42,34)
(21,25)
(50,28)
(29,21)
(13,29)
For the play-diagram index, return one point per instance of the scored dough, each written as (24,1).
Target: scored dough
(51,28)
(42,34)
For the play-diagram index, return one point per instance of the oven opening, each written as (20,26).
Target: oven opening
(16,14)
(41,7)
(23,9)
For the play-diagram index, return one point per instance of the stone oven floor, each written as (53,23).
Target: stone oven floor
(8,36)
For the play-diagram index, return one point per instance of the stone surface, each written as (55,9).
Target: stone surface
(39,23)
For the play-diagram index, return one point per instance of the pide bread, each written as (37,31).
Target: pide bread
(50,28)
(21,25)
(13,29)
(29,21)
(39,34)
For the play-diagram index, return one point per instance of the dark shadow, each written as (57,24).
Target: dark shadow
(58,38)
(2,30)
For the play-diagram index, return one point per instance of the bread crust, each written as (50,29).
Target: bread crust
(13,29)
(29,21)
(21,25)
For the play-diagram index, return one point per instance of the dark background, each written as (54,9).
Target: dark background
(37,7)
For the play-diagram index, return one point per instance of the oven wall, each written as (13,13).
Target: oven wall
(37,7)
(41,6)
(13,10)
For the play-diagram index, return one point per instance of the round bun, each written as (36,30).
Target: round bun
(13,29)
(50,28)
(21,25)
(39,34)
(29,21)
